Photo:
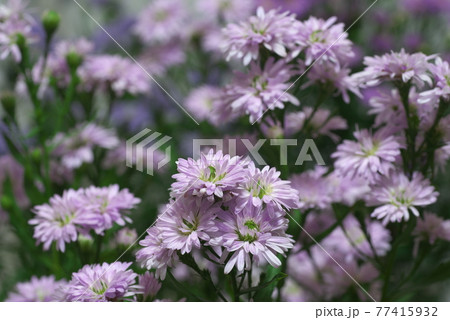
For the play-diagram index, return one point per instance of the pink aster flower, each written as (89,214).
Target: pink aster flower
(395,66)
(313,188)
(102,283)
(389,109)
(440,71)
(77,147)
(368,156)
(36,290)
(184,224)
(432,227)
(255,234)
(272,30)
(213,175)
(201,101)
(265,188)
(260,90)
(114,72)
(155,254)
(59,221)
(126,237)
(106,206)
(396,196)
(161,21)
(325,39)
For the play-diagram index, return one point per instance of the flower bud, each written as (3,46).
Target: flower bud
(50,21)
(74,60)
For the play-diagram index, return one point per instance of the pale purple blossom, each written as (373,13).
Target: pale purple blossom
(396,196)
(105,206)
(395,66)
(432,228)
(213,175)
(201,103)
(155,254)
(185,224)
(102,283)
(369,156)
(325,40)
(121,75)
(264,188)
(260,90)
(126,237)
(253,234)
(78,146)
(440,71)
(272,30)
(59,221)
(313,188)
(41,289)
(162,21)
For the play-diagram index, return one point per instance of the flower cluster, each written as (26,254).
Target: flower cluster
(226,204)
(325,53)
(79,211)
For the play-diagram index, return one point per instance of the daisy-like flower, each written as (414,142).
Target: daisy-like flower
(185,224)
(369,156)
(253,233)
(441,74)
(213,175)
(155,254)
(77,147)
(125,237)
(265,188)
(324,39)
(389,110)
(102,283)
(260,90)
(432,227)
(36,290)
(114,72)
(106,206)
(272,30)
(396,196)
(313,188)
(201,101)
(161,21)
(59,221)
(395,66)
